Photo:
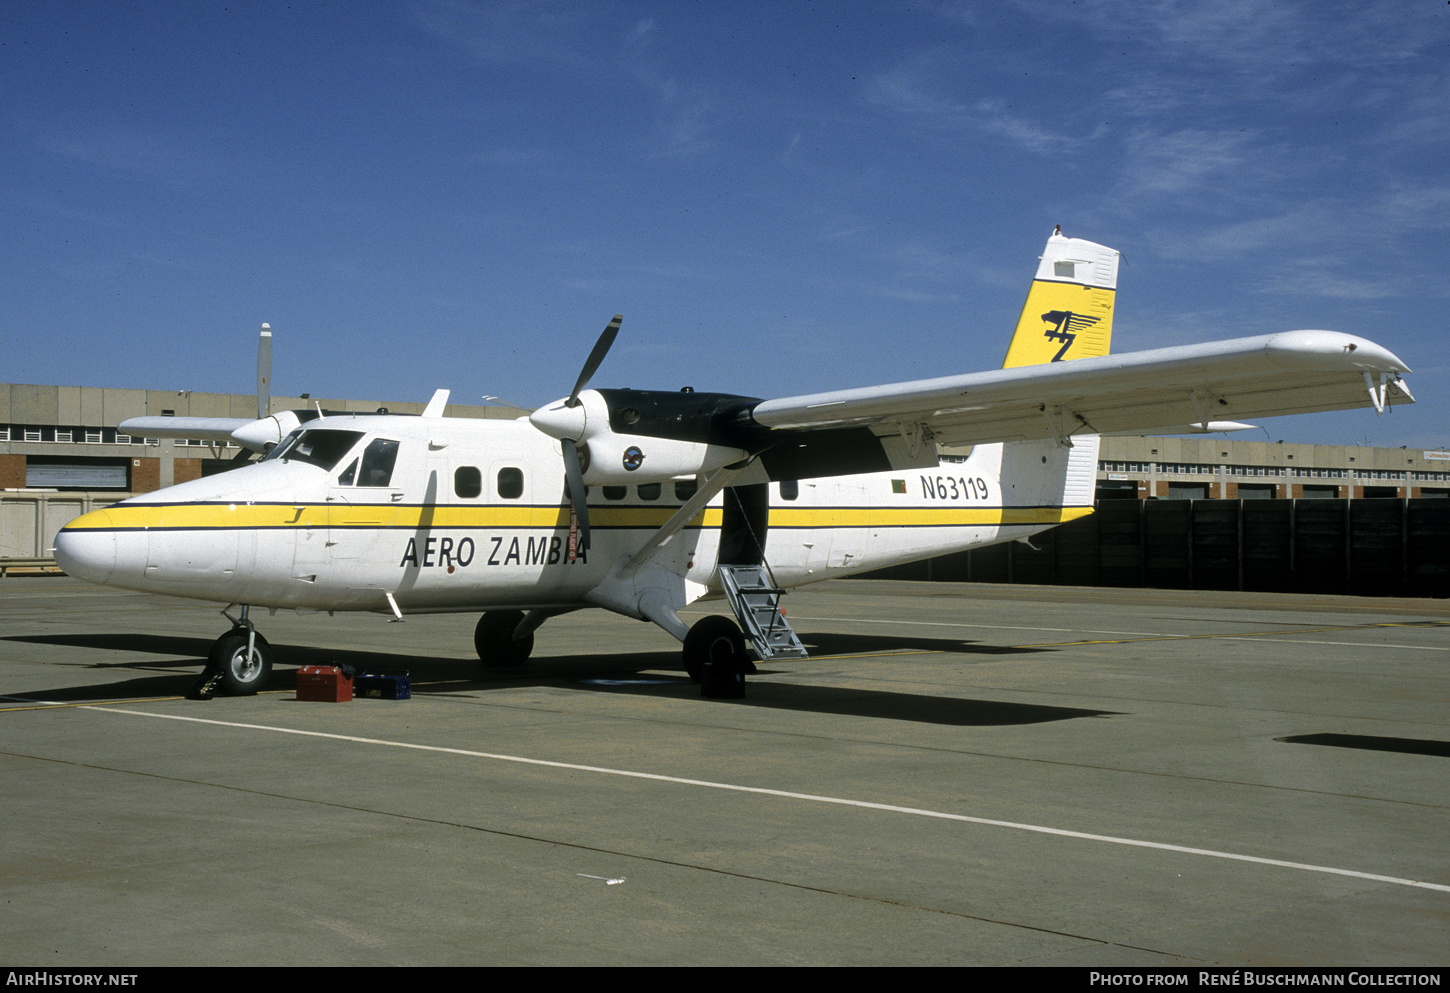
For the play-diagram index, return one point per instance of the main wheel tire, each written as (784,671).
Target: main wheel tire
(241,675)
(493,639)
(714,656)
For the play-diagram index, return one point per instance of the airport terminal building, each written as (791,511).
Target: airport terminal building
(1223,467)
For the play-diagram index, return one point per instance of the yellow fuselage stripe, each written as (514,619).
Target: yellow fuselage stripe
(141,517)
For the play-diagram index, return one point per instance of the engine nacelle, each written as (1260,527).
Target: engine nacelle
(627,458)
(622,457)
(260,435)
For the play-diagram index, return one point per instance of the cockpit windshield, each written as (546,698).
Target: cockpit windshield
(319,446)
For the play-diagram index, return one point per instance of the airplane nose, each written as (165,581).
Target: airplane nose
(86,547)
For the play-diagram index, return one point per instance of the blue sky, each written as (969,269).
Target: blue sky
(780,197)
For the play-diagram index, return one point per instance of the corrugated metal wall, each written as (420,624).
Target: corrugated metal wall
(29,522)
(1364,547)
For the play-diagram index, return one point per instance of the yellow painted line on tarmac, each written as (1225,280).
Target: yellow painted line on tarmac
(872,655)
(57,705)
(1275,635)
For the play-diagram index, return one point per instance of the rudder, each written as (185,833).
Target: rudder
(1069,309)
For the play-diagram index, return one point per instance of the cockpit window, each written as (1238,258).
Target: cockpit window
(377,462)
(319,447)
(275,451)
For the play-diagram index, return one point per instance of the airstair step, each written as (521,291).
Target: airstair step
(756,602)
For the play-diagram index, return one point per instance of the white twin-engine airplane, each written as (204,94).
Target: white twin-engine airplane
(643,501)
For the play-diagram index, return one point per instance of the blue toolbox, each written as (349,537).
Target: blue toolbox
(383,686)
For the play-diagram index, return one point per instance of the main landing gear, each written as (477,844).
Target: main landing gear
(715,657)
(240,662)
(496,641)
(714,653)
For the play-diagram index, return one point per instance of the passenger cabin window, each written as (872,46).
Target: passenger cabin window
(615,492)
(685,488)
(649,491)
(320,447)
(510,483)
(467,482)
(790,489)
(377,462)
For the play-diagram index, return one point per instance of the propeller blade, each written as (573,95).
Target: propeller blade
(574,473)
(264,372)
(601,349)
(503,402)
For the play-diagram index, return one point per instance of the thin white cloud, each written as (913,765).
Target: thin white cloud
(543,34)
(914,91)
(1324,277)
(1188,160)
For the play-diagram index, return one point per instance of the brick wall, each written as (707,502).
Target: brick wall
(185,470)
(12,472)
(145,475)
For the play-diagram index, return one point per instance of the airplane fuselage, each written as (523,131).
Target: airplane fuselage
(472,514)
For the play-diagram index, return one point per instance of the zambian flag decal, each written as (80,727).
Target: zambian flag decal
(898,486)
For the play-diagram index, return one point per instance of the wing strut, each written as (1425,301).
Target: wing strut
(713,484)
(1056,426)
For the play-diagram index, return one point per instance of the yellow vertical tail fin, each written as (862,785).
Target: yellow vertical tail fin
(1069,309)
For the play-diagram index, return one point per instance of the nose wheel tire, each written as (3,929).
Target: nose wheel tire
(242,674)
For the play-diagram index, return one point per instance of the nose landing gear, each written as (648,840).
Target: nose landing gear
(240,662)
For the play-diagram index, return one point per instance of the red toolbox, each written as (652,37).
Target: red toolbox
(324,684)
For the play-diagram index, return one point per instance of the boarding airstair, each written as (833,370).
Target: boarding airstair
(755,599)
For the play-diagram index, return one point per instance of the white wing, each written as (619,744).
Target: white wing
(204,428)
(258,435)
(1295,372)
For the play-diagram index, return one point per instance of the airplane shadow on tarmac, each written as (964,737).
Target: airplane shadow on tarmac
(181,658)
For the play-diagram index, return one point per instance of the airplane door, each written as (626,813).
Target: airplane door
(360,503)
(310,545)
(802,543)
(363,499)
(847,545)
